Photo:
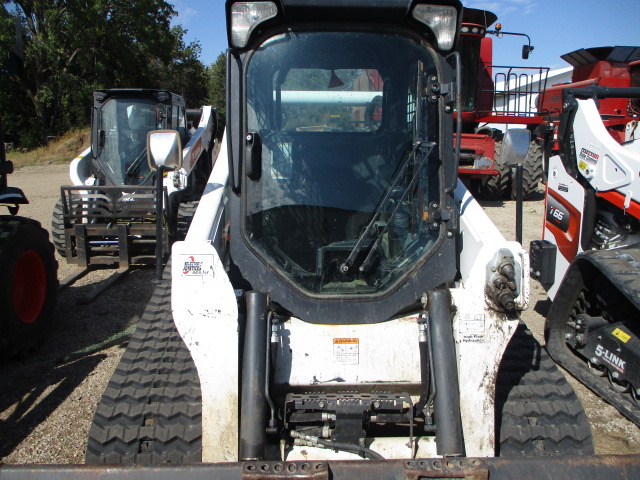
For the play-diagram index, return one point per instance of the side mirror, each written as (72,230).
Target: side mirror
(526,50)
(515,146)
(164,149)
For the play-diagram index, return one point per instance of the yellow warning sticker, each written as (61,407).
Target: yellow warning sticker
(346,350)
(621,335)
(582,165)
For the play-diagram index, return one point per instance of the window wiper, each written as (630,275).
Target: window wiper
(425,149)
(135,165)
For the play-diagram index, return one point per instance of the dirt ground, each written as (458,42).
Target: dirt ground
(47,400)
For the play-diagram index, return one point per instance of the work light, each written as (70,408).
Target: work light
(246,16)
(441,20)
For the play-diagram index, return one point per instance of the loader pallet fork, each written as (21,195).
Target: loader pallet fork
(601,285)
(109,225)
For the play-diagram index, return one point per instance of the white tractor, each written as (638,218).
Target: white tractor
(108,215)
(589,258)
(339,294)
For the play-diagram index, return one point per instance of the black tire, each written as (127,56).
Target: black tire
(531,171)
(496,187)
(537,411)
(28,285)
(150,412)
(57,229)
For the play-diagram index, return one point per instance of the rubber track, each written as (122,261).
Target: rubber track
(150,412)
(186,211)
(537,411)
(57,229)
(622,268)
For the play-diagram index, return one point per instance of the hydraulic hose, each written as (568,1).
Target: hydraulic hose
(345,447)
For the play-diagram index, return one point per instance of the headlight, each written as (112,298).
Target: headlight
(441,20)
(246,16)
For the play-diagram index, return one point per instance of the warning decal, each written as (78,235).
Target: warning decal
(621,335)
(346,350)
(471,328)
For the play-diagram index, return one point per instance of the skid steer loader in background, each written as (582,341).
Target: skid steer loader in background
(589,258)
(108,215)
(340,294)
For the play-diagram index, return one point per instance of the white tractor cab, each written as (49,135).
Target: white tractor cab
(340,292)
(113,183)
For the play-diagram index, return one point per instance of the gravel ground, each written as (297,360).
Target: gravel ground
(48,399)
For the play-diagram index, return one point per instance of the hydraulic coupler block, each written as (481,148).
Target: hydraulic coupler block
(502,282)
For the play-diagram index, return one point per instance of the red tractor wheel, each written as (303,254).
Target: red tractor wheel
(29,289)
(28,285)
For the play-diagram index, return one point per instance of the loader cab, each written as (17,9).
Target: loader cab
(121,119)
(341,154)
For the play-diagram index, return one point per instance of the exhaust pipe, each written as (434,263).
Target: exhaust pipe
(253,405)
(445,369)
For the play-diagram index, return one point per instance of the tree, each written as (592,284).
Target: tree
(7,35)
(217,86)
(73,47)
(185,75)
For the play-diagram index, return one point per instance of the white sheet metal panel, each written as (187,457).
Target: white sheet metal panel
(384,353)
(205,312)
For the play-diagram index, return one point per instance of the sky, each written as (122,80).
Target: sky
(556,27)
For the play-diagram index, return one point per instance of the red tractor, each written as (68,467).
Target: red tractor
(495,98)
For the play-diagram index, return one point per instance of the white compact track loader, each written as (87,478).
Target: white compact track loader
(589,258)
(108,215)
(339,294)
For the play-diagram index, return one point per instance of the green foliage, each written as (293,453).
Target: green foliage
(7,34)
(185,74)
(217,86)
(72,47)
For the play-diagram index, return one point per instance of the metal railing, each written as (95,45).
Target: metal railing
(515,90)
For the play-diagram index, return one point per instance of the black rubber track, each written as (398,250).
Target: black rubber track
(150,412)
(57,229)
(537,411)
(598,282)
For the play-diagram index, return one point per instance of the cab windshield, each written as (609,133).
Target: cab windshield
(349,162)
(123,125)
